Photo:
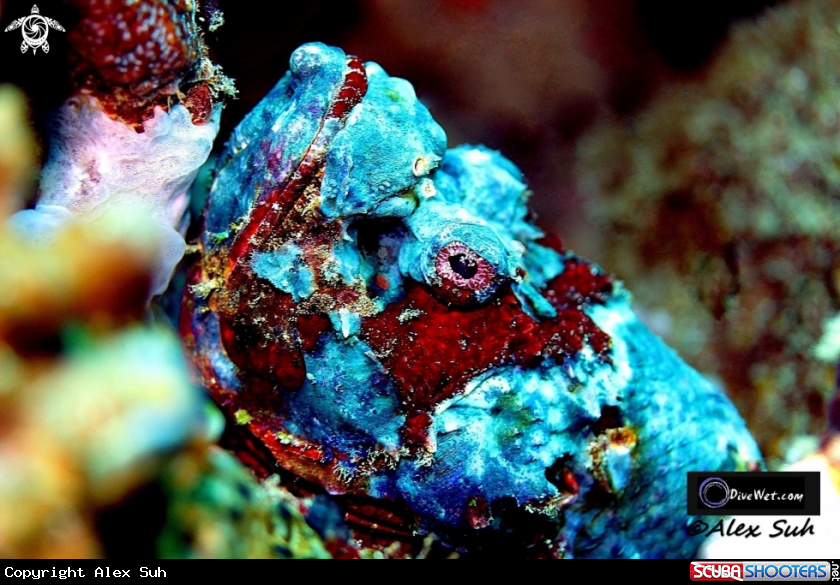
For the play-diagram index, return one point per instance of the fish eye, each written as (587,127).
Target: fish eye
(463,267)
(465,264)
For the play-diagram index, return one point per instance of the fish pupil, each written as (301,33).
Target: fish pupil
(463,266)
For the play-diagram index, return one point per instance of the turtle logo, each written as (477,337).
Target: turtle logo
(35,28)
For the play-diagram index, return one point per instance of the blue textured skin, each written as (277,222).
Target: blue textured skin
(507,427)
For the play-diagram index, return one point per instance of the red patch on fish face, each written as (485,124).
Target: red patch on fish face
(431,349)
(579,285)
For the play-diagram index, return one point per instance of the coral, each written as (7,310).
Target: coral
(382,319)
(88,409)
(71,278)
(719,207)
(17,150)
(97,413)
(140,44)
(135,56)
(218,510)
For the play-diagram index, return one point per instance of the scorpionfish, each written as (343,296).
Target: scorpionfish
(387,323)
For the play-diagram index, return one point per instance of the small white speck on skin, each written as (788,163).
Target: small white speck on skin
(548,391)
(344,317)
(427,188)
(409,314)
(477,157)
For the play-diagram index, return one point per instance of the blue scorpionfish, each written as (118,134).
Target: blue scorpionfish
(385,321)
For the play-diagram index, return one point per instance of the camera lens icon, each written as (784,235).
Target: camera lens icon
(714,492)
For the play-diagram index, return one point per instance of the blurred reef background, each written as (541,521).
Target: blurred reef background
(695,157)
(719,205)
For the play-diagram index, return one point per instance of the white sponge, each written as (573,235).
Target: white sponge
(96,163)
